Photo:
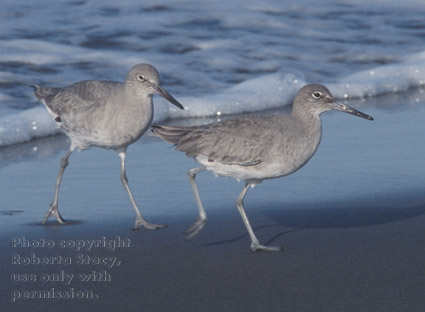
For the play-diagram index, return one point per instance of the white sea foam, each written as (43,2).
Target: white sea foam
(393,78)
(252,95)
(215,57)
(264,92)
(24,126)
(256,94)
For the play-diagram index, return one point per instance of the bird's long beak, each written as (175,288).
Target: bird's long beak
(161,91)
(347,109)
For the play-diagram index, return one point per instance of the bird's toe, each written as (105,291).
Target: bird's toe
(195,228)
(259,247)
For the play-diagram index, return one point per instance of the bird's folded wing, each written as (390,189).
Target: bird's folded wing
(77,97)
(234,142)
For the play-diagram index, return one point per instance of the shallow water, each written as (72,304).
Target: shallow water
(351,222)
(216,58)
(356,158)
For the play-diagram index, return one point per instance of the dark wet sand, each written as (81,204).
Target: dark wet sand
(351,222)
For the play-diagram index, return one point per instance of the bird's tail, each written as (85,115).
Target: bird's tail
(170,134)
(44,93)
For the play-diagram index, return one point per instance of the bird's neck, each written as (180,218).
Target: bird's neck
(306,113)
(136,112)
(310,129)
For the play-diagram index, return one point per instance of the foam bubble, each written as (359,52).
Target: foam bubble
(265,92)
(26,125)
(252,95)
(392,78)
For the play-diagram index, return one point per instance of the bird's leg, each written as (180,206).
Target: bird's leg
(255,244)
(139,220)
(196,227)
(54,205)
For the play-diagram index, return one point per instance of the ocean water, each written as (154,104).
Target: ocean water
(215,57)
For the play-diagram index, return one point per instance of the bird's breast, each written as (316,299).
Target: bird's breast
(292,152)
(108,127)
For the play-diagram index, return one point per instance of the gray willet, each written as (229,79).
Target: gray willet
(105,114)
(254,148)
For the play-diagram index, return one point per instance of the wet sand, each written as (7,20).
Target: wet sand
(351,222)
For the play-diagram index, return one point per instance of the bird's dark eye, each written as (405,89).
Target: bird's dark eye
(140,77)
(317,94)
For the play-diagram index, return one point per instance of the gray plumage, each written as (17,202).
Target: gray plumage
(105,114)
(254,148)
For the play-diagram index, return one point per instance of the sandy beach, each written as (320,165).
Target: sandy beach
(351,223)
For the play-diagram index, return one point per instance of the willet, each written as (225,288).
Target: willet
(105,114)
(254,148)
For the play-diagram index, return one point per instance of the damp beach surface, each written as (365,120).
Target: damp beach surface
(351,222)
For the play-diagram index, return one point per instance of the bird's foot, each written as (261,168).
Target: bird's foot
(196,227)
(55,211)
(255,246)
(149,226)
